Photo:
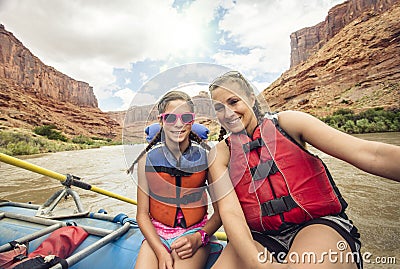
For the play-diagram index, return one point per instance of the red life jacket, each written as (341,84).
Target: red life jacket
(8,259)
(60,244)
(278,182)
(177,184)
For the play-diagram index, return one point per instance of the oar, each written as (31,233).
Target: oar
(65,179)
(72,181)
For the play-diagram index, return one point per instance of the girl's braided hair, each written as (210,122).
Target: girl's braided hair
(162,105)
(237,77)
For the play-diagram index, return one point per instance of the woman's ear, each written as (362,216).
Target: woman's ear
(252,99)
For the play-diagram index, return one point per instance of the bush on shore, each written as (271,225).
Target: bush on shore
(23,142)
(50,132)
(373,120)
(47,139)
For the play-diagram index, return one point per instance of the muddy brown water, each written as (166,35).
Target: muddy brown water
(373,201)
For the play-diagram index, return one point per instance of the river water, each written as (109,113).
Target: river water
(373,201)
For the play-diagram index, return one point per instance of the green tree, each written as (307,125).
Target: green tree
(49,132)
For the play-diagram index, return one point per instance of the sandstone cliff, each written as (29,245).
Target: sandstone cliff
(357,67)
(307,41)
(18,64)
(34,94)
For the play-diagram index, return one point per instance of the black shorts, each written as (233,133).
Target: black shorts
(278,245)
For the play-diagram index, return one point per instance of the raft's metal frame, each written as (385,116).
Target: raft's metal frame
(108,235)
(23,205)
(95,246)
(49,222)
(33,236)
(46,210)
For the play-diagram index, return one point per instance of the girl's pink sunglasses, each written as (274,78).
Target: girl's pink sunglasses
(171,118)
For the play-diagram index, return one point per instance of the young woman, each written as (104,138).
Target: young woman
(172,202)
(277,201)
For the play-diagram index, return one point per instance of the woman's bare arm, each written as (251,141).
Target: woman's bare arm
(373,157)
(229,208)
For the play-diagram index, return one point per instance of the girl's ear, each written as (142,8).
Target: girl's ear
(160,120)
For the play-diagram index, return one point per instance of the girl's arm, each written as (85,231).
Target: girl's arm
(186,246)
(146,226)
(373,157)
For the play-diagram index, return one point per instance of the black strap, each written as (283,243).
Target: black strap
(184,200)
(39,262)
(14,243)
(264,169)
(64,263)
(253,145)
(169,170)
(175,172)
(278,206)
(19,258)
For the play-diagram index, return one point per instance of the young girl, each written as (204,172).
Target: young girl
(172,202)
(284,199)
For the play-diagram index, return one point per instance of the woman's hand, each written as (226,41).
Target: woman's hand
(187,245)
(165,260)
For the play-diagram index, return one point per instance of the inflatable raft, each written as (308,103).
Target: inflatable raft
(111,242)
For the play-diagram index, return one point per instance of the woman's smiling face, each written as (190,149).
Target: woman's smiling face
(233,108)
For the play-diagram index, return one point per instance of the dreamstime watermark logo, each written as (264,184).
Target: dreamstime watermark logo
(340,255)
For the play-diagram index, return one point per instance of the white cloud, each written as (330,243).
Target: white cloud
(141,99)
(193,89)
(66,34)
(87,40)
(260,86)
(126,96)
(265,28)
(143,76)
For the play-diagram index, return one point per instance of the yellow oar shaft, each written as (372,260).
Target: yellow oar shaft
(31,167)
(113,195)
(43,171)
(40,170)
(221,236)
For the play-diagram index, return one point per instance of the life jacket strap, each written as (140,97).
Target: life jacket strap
(184,200)
(264,169)
(278,206)
(253,145)
(175,172)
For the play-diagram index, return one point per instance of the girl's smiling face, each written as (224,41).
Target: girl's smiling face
(178,132)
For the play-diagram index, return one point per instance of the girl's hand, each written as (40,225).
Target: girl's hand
(187,245)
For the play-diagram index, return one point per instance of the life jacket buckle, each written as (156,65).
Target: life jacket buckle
(191,198)
(257,143)
(278,206)
(264,169)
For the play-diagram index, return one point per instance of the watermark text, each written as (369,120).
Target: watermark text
(340,255)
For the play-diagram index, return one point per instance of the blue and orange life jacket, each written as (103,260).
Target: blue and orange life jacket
(277,181)
(177,184)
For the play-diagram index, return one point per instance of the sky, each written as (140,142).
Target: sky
(119,46)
